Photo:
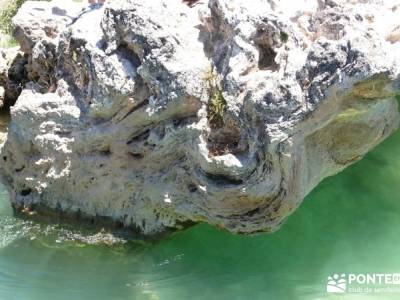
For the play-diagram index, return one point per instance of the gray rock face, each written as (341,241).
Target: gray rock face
(154,114)
(37,27)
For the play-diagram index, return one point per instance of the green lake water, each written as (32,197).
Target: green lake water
(349,224)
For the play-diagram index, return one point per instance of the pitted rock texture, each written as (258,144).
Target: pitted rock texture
(156,114)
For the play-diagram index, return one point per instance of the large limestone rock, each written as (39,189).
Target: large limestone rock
(156,114)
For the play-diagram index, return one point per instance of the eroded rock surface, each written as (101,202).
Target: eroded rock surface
(155,114)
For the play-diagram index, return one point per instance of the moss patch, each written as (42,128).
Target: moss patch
(372,88)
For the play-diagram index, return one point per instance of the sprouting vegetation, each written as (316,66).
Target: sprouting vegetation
(8,10)
(7,41)
(216,108)
(217,103)
(7,13)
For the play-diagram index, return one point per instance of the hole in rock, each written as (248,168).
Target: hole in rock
(252,212)
(266,40)
(223,179)
(192,188)
(106,152)
(139,138)
(266,60)
(25,192)
(19,169)
(126,53)
(284,37)
(137,155)
(226,140)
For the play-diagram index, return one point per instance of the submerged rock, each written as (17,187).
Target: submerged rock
(157,115)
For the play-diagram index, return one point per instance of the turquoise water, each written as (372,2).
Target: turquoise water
(349,224)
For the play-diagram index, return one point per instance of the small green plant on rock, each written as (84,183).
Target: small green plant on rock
(217,103)
(7,13)
(7,41)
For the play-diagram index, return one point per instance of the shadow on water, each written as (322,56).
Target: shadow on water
(348,224)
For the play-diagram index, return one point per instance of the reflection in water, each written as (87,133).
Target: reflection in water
(349,224)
